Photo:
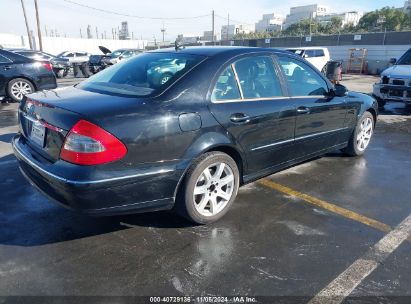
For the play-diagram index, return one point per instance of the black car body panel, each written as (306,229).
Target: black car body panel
(165,132)
(18,66)
(61,66)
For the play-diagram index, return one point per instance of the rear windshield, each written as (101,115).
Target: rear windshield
(405,59)
(143,75)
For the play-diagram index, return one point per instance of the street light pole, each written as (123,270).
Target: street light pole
(27,25)
(213,29)
(38,25)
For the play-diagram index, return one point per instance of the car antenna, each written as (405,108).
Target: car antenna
(178,46)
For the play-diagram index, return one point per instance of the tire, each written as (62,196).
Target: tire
(212,194)
(361,136)
(60,74)
(18,87)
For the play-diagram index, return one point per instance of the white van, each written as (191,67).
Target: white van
(317,56)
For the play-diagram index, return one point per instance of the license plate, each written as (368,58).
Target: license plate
(38,134)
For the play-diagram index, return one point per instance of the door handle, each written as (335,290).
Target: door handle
(7,67)
(240,118)
(303,110)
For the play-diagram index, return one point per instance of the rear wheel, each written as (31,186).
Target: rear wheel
(60,74)
(210,187)
(18,88)
(361,136)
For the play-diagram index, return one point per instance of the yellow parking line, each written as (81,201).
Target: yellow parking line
(328,206)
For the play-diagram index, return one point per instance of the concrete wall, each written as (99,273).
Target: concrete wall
(378,55)
(55,45)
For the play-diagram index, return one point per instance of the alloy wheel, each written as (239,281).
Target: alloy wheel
(19,89)
(364,134)
(214,189)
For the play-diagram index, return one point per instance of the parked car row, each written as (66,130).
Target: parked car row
(395,82)
(24,71)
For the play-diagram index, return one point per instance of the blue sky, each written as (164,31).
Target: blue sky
(68,18)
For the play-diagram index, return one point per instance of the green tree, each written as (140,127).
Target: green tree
(387,18)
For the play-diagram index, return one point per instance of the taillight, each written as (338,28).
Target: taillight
(88,144)
(48,65)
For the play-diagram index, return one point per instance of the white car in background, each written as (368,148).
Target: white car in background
(75,56)
(317,56)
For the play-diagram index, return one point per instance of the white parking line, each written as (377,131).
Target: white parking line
(348,280)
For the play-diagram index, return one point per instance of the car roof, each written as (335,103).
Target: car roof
(218,50)
(14,56)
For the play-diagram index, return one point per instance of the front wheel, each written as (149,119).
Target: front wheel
(210,187)
(361,136)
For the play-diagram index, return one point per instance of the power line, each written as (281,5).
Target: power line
(233,20)
(133,16)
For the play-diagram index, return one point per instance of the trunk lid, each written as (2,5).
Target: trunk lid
(46,117)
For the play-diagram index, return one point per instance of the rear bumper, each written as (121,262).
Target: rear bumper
(392,92)
(146,190)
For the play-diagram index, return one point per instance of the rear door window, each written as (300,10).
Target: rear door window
(319,53)
(258,78)
(309,53)
(226,87)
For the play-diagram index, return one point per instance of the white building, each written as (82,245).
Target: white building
(270,23)
(188,38)
(407,7)
(347,18)
(299,13)
(208,36)
(228,31)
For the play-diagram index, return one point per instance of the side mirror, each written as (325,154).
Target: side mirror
(305,56)
(120,58)
(393,61)
(339,90)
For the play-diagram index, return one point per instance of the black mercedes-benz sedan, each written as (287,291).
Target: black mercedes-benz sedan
(123,142)
(20,75)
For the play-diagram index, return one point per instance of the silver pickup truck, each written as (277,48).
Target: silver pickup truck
(395,82)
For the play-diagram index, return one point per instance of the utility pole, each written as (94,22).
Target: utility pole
(213,30)
(96,32)
(228,25)
(38,25)
(81,34)
(163,30)
(27,25)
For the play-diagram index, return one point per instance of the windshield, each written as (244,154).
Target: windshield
(143,75)
(405,59)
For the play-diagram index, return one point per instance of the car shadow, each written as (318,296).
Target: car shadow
(6,138)
(30,219)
